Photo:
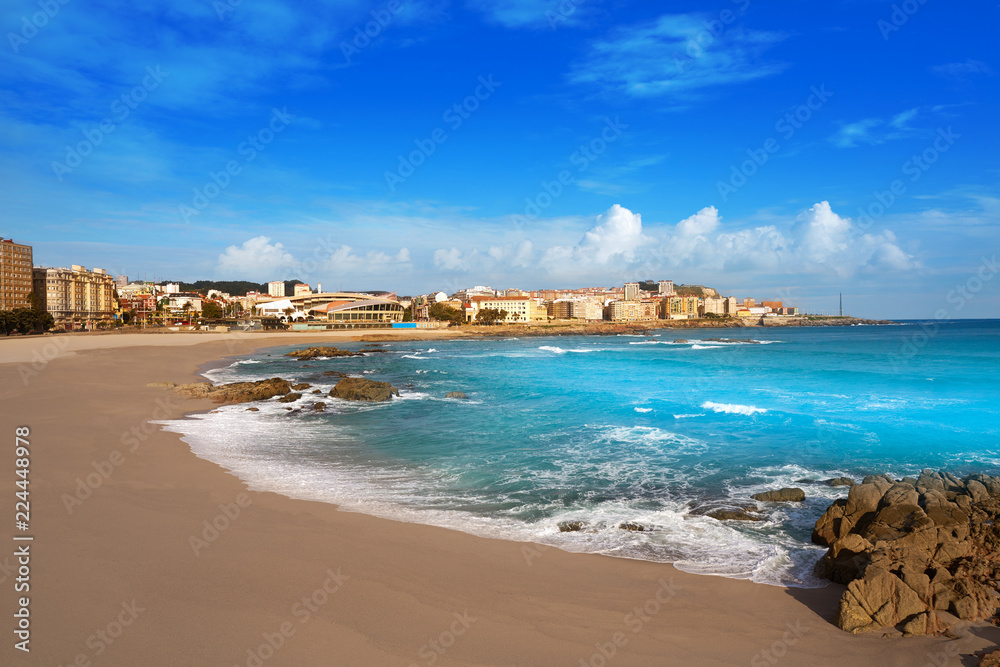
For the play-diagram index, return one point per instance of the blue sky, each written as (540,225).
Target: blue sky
(782,152)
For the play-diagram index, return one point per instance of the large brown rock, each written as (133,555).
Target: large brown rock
(362,389)
(236,392)
(786,495)
(920,555)
(313,352)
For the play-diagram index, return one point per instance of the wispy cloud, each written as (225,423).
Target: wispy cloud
(532,14)
(874,131)
(677,56)
(963,69)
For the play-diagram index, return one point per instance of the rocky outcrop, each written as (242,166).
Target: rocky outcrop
(236,392)
(290,398)
(786,495)
(734,515)
(455,394)
(840,481)
(571,526)
(991,659)
(633,526)
(313,352)
(300,386)
(918,554)
(361,389)
(319,406)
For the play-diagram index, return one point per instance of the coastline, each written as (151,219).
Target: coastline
(400,585)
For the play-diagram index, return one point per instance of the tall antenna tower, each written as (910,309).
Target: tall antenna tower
(841,304)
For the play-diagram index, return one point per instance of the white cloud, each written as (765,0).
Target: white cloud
(616,247)
(452,259)
(256,257)
(874,131)
(963,69)
(530,13)
(612,240)
(343,262)
(676,55)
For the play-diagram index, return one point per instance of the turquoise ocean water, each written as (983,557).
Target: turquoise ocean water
(625,428)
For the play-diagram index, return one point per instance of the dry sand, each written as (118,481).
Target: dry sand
(116,581)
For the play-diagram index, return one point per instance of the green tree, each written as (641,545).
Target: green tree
(445,313)
(489,316)
(211,311)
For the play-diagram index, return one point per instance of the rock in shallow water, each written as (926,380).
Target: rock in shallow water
(734,515)
(455,394)
(631,525)
(786,495)
(362,389)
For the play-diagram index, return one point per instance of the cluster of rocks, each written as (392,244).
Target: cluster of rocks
(580,526)
(362,389)
(350,389)
(236,392)
(313,352)
(918,554)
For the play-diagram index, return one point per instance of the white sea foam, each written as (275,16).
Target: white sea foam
(689,416)
(643,409)
(559,350)
(414,356)
(732,408)
(706,347)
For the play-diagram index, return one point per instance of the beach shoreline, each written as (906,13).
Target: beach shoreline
(219,571)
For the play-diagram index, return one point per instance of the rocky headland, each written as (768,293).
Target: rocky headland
(917,554)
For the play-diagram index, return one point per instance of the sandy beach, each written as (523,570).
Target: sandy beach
(145,555)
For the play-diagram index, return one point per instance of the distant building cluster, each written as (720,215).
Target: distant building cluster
(629,303)
(78,298)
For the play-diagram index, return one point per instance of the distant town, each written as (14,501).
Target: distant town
(77,298)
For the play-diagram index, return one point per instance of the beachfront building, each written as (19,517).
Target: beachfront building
(360,314)
(175,303)
(632,291)
(520,309)
(75,297)
(680,307)
(666,288)
(713,306)
(731,306)
(300,289)
(276,288)
(622,310)
(16,281)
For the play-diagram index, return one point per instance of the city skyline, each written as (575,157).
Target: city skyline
(558,145)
